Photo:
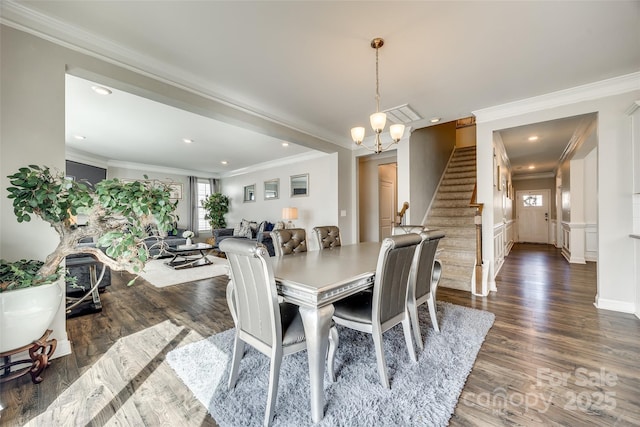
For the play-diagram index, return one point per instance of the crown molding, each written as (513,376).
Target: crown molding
(633,108)
(161,169)
(275,163)
(596,90)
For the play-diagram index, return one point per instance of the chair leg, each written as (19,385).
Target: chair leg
(412,312)
(406,327)
(274,377)
(331,356)
(382,364)
(238,352)
(432,311)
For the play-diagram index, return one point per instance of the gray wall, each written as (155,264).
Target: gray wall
(429,151)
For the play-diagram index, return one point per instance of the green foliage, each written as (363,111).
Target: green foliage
(36,191)
(216,205)
(119,213)
(23,274)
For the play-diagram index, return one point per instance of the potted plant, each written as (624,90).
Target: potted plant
(120,215)
(216,206)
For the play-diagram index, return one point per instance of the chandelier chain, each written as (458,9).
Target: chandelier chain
(377,84)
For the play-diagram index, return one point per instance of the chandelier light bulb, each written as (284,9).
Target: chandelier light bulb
(396,132)
(357,134)
(378,121)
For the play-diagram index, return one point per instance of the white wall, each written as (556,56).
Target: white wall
(320,207)
(32,132)
(615,183)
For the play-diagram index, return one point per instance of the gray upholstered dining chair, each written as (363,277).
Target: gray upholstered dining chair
(423,281)
(378,311)
(327,236)
(289,241)
(275,329)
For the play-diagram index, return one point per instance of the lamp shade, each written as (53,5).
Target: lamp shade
(378,120)
(357,134)
(290,213)
(396,132)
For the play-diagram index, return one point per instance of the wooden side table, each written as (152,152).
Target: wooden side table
(39,353)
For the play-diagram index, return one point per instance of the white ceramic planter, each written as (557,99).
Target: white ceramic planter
(26,313)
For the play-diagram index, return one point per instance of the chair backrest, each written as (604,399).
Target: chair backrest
(327,236)
(406,229)
(255,295)
(423,262)
(392,276)
(289,241)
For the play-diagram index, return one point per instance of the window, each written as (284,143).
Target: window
(531,200)
(204,191)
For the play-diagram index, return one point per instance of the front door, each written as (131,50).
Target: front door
(533,216)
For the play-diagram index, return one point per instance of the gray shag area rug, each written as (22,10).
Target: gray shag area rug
(422,394)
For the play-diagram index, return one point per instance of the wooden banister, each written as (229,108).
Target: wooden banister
(473,203)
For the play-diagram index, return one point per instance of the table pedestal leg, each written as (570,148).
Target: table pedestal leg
(316,328)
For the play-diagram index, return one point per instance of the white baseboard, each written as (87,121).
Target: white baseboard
(615,305)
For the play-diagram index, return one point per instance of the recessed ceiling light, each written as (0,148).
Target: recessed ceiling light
(224,162)
(187,140)
(435,120)
(285,144)
(79,137)
(533,138)
(101,90)
(532,167)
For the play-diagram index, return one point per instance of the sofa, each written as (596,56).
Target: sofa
(260,232)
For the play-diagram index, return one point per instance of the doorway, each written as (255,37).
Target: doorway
(377,195)
(387,196)
(533,216)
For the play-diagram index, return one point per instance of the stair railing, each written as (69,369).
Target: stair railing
(473,203)
(400,215)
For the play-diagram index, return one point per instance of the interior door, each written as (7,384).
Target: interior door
(533,216)
(387,198)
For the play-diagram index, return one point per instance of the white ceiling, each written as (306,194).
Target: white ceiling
(309,65)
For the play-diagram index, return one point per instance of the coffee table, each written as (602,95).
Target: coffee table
(188,256)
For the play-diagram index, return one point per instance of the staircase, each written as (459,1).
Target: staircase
(451,214)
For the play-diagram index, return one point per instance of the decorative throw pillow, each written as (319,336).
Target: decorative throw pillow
(245,229)
(261,228)
(268,226)
(279,225)
(254,229)
(236,230)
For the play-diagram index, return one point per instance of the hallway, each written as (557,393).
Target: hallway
(551,356)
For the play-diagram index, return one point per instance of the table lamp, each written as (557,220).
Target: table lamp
(289,214)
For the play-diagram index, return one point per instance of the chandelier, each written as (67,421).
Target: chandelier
(378,119)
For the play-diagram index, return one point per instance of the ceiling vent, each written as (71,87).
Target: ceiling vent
(403,114)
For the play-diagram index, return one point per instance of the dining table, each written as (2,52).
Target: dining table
(314,280)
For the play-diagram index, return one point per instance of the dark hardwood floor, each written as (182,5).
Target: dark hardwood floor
(551,358)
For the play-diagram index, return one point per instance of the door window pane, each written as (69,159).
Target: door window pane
(531,200)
